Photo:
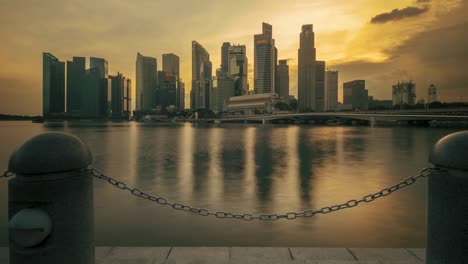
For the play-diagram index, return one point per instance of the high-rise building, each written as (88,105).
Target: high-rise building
(53,85)
(319,86)
(264,61)
(355,94)
(171,64)
(75,78)
(331,91)
(432,94)
(92,94)
(201,69)
(225,56)
(166,93)
(102,66)
(238,68)
(306,70)
(181,95)
(146,82)
(283,79)
(404,93)
(121,96)
(225,89)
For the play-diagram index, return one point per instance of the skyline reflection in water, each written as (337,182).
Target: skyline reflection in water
(258,169)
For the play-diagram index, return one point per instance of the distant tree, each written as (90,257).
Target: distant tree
(293,104)
(282,106)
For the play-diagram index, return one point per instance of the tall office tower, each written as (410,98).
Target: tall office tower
(181,95)
(120,96)
(206,84)
(75,78)
(306,70)
(319,86)
(146,82)
(166,93)
(101,64)
(238,68)
(92,93)
(225,88)
(355,94)
(225,56)
(264,60)
(53,85)
(283,79)
(200,60)
(128,97)
(171,64)
(331,91)
(431,94)
(404,93)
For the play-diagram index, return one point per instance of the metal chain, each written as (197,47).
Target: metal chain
(249,217)
(7,174)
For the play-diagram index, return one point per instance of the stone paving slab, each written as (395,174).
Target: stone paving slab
(246,255)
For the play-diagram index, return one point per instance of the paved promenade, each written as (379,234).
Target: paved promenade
(251,255)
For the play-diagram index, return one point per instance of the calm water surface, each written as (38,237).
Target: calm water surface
(249,169)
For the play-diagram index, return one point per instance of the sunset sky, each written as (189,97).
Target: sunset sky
(378,41)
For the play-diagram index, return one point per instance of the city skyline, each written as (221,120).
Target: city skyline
(352,44)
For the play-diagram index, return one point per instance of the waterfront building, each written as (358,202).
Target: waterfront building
(201,77)
(225,89)
(264,61)
(331,91)
(306,70)
(355,95)
(102,66)
(171,64)
(251,104)
(319,86)
(53,85)
(166,93)
(146,82)
(225,56)
(75,78)
(181,95)
(238,68)
(283,79)
(432,94)
(404,93)
(120,96)
(93,92)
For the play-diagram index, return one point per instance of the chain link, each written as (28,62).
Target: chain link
(266,217)
(7,174)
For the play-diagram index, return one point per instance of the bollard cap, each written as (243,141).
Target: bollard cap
(451,151)
(50,152)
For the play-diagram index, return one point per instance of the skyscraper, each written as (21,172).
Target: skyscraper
(264,61)
(53,85)
(171,64)
(166,93)
(225,56)
(331,90)
(75,78)
(306,70)
(283,79)
(319,86)
(355,94)
(120,96)
(200,65)
(146,82)
(238,68)
(225,89)
(91,94)
(102,66)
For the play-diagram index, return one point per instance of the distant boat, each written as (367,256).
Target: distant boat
(332,122)
(38,120)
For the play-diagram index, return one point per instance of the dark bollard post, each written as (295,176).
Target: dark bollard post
(51,202)
(447,231)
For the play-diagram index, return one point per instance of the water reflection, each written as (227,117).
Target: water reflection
(250,169)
